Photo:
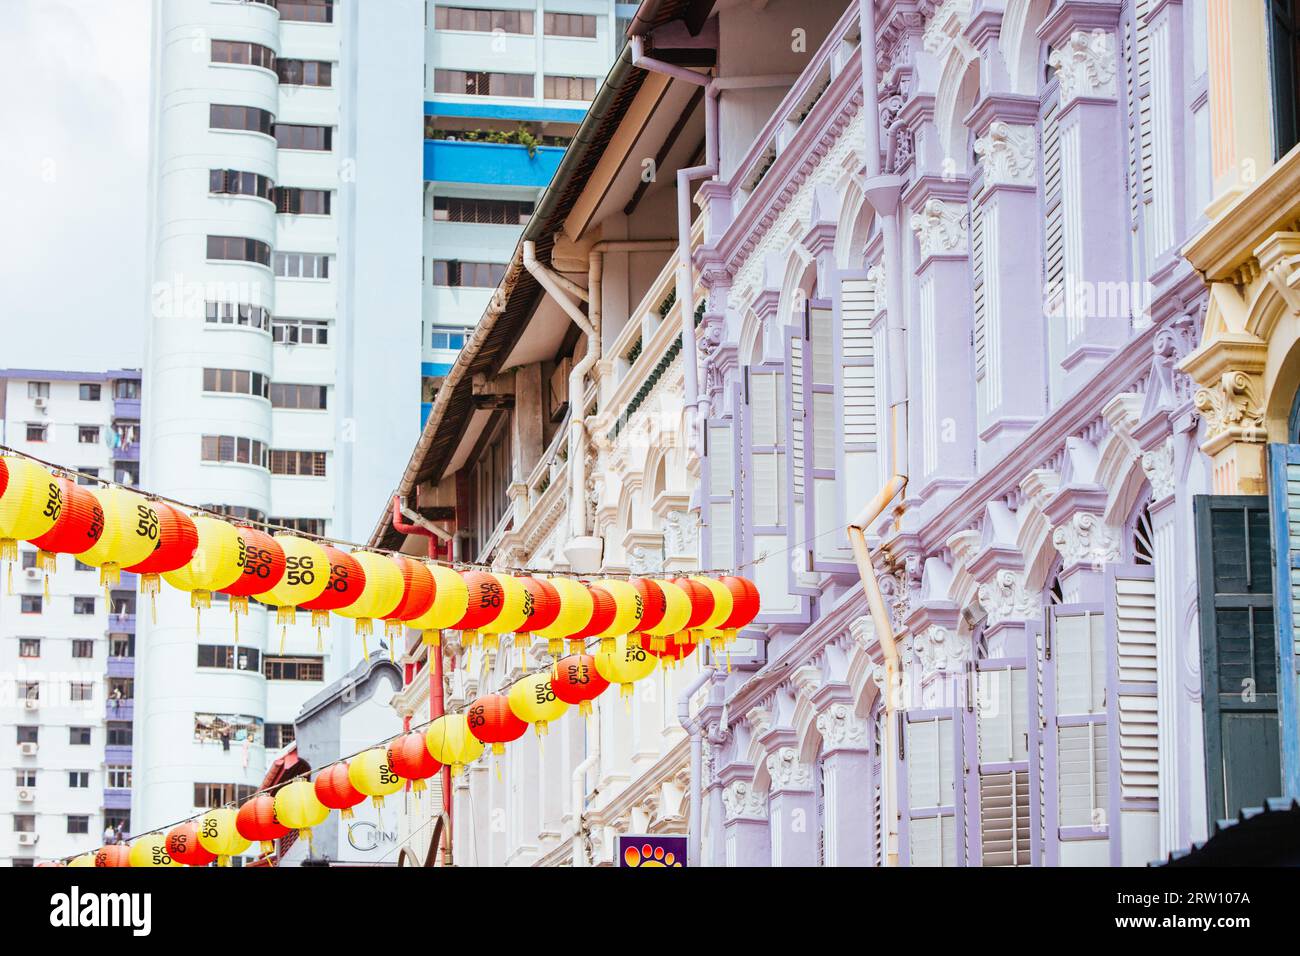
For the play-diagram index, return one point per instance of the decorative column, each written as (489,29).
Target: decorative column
(792,808)
(745,824)
(1229,370)
(1010,368)
(1093,195)
(846,781)
(944,383)
(1080,533)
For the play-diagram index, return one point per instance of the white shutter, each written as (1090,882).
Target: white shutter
(721,478)
(766,499)
(1004,819)
(1053,224)
(1001,718)
(825,519)
(932,841)
(858,308)
(1078,645)
(928,765)
(1139,759)
(977,285)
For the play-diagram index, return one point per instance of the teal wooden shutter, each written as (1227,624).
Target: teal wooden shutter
(1284,512)
(1238,652)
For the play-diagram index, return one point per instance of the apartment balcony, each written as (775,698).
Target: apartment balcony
(119,710)
(126,408)
(121,667)
(118,756)
(117,798)
(121,623)
(497,164)
(126,453)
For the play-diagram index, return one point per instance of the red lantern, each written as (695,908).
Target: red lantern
(602,616)
(257,821)
(183,845)
(492,721)
(4,477)
(347,581)
(409,757)
(575,680)
(671,652)
(486,598)
(264,565)
(79,525)
(177,539)
(418,591)
(653,605)
(335,790)
(701,606)
(119,854)
(542,605)
(745,605)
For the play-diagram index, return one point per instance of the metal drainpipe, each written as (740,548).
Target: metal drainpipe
(578,795)
(693,727)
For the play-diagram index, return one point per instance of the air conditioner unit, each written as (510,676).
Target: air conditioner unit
(41,402)
(28,839)
(26,794)
(32,574)
(32,703)
(28,749)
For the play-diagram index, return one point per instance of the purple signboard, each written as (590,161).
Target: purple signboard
(646,850)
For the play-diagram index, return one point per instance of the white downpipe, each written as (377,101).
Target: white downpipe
(695,823)
(578,794)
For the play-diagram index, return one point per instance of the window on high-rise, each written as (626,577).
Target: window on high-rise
(240,513)
(219,794)
(294,668)
(38,389)
(29,647)
(36,432)
(83,605)
(305,72)
(231,448)
(88,392)
(240,51)
(480,83)
(300,331)
(79,779)
(569,25)
(31,604)
(126,388)
(236,381)
(117,778)
(310,464)
(236,182)
(87,434)
(83,648)
(309,397)
(294,136)
(310,526)
(28,733)
(78,823)
(310,11)
(79,736)
(507,212)
(249,118)
(120,733)
(239,249)
(279,735)
(481,275)
(444,337)
(305,202)
(302,265)
(475,20)
(569,87)
(229,657)
(238,313)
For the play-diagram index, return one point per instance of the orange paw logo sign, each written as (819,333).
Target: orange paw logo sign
(652,851)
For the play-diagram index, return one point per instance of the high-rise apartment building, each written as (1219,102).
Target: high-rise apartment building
(68,647)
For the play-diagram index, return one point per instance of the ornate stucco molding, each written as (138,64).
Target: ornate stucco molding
(1086,539)
(945,25)
(841,729)
(1008,154)
(1006,599)
(682,534)
(740,801)
(876,276)
(1158,466)
(1231,407)
(940,650)
(787,772)
(1085,65)
(940,228)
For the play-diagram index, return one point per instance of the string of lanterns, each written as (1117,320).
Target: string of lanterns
(637,624)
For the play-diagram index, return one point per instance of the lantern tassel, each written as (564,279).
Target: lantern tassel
(365,649)
(47,562)
(284,633)
(267,847)
(584,708)
(431,636)
(150,584)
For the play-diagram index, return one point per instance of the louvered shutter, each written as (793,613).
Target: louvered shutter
(719,474)
(929,786)
(798,555)
(1077,803)
(980,342)
(1053,243)
(1238,652)
(1035,637)
(1002,735)
(824,521)
(1284,507)
(856,348)
(1132,712)
(766,469)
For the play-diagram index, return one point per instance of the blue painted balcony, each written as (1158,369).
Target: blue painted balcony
(119,710)
(121,667)
(118,756)
(126,408)
(127,454)
(117,798)
(496,164)
(121,623)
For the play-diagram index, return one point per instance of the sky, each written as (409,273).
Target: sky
(73,171)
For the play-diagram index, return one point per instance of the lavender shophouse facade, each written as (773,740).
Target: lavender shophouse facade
(963,272)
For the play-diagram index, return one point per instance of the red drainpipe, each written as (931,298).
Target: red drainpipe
(436,706)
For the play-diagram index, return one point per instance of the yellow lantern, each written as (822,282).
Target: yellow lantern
(217,563)
(30,503)
(219,835)
(86,859)
(627,614)
(533,700)
(151,851)
(514,611)
(450,602)
(626,664)
(724,602)
(306,574)
(370,774)
(576,607)
(451,743)
(380,597)
(677,611)
(130,533)
(299,808)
